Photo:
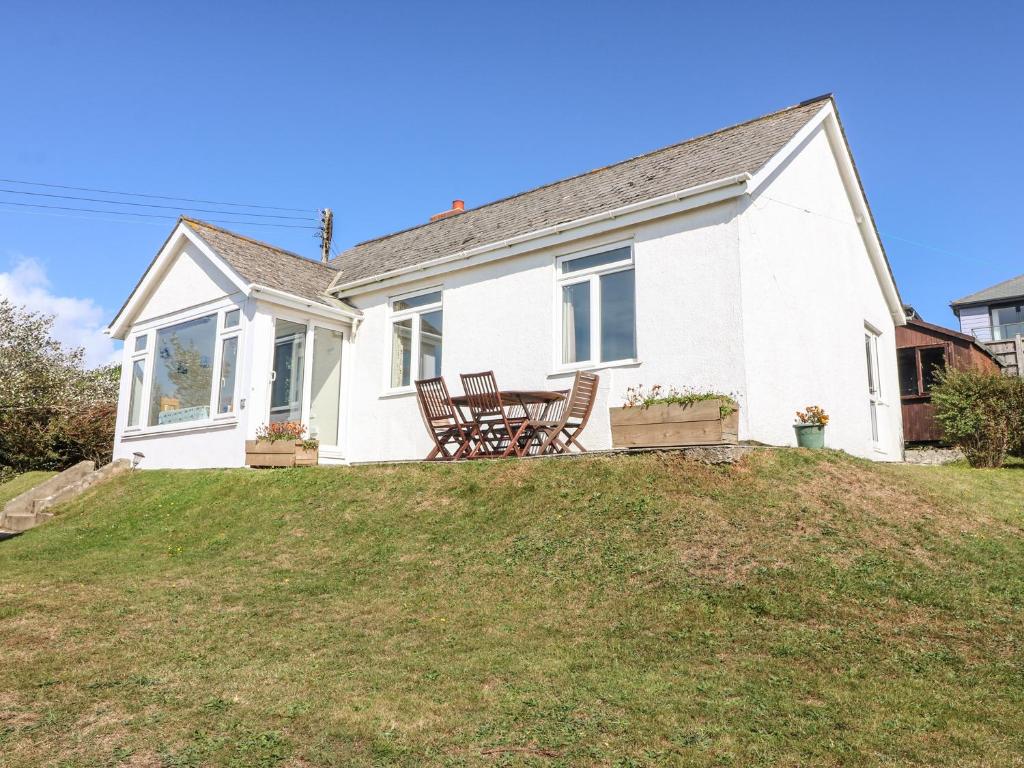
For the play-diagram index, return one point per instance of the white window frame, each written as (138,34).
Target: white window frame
(395,316)
(223,334)
(592,276)
(148,356)
(142,356)
(311,324)
(876,403)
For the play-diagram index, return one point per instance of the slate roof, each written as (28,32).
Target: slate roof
(265,264)
(741,148)
(1008,289)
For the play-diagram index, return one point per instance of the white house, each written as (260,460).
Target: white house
(744,261)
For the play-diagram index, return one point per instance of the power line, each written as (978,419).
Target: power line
(887,235)
(155,205)
(155,215)
(153,197)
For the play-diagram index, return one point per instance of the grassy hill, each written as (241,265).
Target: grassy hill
(798,609)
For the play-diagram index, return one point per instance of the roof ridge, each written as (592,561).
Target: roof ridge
(807,102)
(254,241)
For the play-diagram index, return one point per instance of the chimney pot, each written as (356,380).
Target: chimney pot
(458,206)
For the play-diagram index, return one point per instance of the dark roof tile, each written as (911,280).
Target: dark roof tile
(730,151)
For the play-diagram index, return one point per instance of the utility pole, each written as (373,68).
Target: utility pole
(325,234)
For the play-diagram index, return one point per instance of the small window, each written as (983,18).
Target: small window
(135,397)
(231,318)
(597,260)
(933,360)
(228,361)
(414,302)
(417,331)
(906,359)
(141,342)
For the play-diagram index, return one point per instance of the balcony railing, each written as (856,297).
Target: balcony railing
(999,332)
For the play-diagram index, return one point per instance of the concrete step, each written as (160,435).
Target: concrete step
(20,521)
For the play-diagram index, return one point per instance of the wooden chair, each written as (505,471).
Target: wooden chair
(563,427)
(452,438)
(502,432)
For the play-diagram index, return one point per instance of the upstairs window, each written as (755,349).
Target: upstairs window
(597,307)
(417,324)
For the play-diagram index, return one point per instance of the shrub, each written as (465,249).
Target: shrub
(980,413)
(53,410)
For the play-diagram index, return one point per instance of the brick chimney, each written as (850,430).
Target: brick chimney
(458,206)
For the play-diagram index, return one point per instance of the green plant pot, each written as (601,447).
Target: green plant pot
(810,435)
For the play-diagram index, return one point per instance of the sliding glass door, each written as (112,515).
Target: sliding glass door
(325,390)
(289,365)
(306,386)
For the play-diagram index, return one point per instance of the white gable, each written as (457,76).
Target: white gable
(191,279)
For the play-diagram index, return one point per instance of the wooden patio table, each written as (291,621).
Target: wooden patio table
(524,398)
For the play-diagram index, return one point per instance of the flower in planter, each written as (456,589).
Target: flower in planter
(814,415)
(640,397)
(284,430)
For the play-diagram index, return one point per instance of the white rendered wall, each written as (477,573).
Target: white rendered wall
(808,290)
(502,317)
(192,287)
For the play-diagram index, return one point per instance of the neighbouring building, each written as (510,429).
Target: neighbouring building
(993,314)
(744,261)
(995,317)
(922,349)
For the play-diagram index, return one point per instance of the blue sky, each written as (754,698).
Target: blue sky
(387,111)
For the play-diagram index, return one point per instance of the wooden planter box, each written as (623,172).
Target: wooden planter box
(664,426)
(280,453)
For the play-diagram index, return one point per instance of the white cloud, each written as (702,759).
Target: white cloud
(77,323)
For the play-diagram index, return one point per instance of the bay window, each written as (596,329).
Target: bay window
(416,338)
(185,372)
(597,307)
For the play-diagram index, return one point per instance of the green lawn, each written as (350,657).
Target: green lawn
(799,609)
(20,484)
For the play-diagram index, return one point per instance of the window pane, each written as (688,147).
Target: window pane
(289,361)
(430,345)
(325,397)
(416,301)
(183,372)
(872,371)
(401,353)
(228,360)
(906,360)
(932,359)
(576,322)
(140,343)
(618,316)
(597,260)
(135,399)
(231,318)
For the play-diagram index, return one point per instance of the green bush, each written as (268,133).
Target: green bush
(981,413)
